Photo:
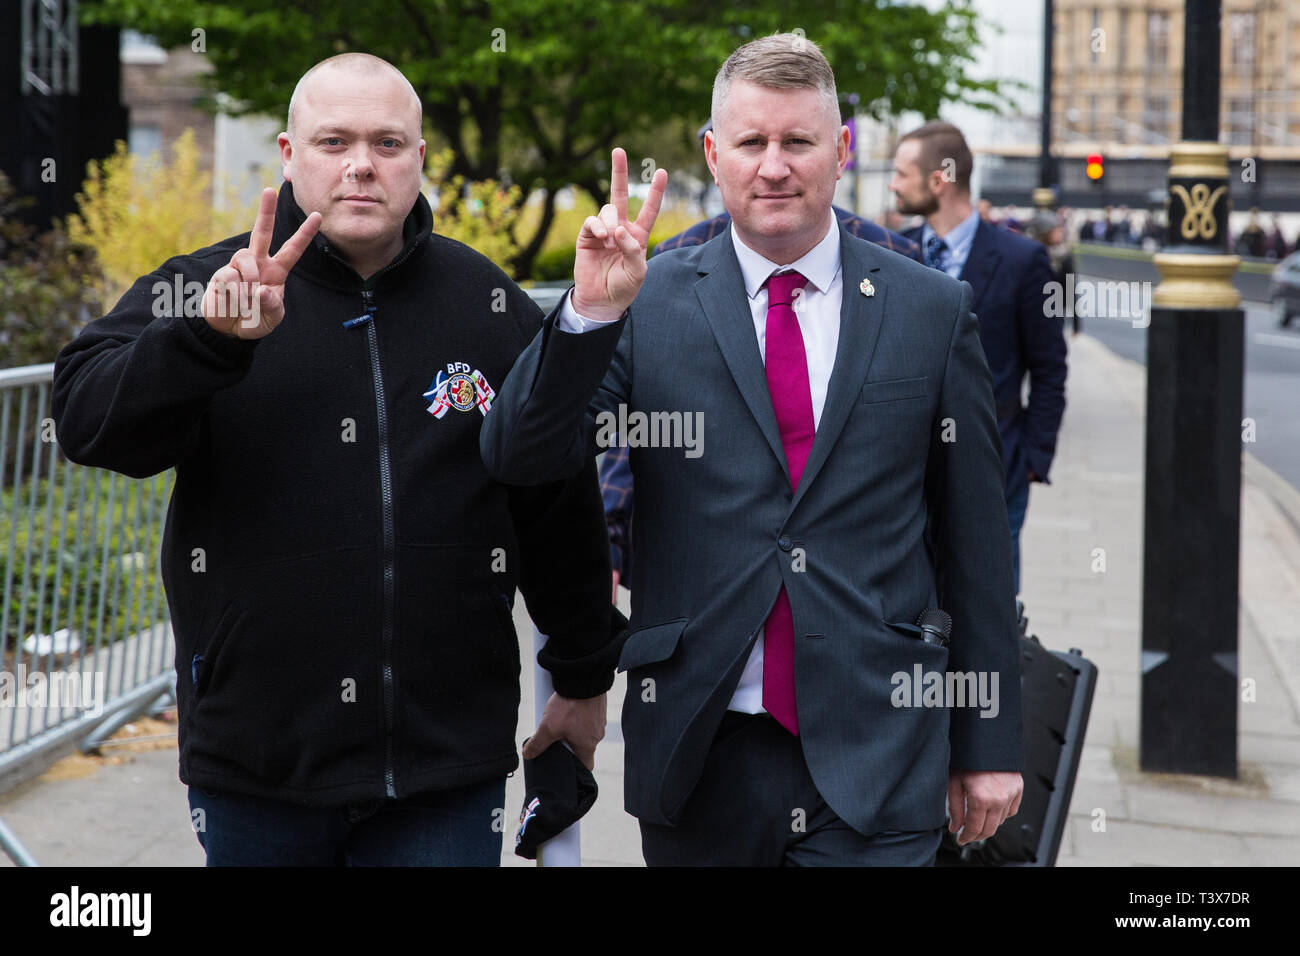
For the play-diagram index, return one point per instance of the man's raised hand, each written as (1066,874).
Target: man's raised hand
(610,263)
(245,299)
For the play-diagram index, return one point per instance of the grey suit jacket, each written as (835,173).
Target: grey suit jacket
(900,508)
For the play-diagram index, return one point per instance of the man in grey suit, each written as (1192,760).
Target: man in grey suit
(812,433)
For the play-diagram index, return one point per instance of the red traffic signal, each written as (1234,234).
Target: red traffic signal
(1095,170)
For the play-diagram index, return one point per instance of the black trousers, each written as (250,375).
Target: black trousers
(756,805)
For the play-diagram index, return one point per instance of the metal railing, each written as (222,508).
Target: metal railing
(85,639)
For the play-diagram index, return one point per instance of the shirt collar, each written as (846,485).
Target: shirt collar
(959,238)
(818,265)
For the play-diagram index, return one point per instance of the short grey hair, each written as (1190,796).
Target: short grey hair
(782,61)
(358,63)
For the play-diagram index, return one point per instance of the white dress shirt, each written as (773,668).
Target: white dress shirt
(818,312)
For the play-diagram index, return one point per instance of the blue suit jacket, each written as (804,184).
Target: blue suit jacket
(890,517)
(1007,273)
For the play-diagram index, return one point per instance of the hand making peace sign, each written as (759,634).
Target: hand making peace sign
(610,263)
(245,299)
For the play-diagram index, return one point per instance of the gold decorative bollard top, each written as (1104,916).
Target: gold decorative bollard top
(1195,266)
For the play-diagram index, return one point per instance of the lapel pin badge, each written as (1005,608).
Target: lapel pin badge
(867,288)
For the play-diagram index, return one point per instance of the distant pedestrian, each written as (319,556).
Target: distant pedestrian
(1277,248)
(1010,276)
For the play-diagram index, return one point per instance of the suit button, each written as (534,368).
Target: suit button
(784,543)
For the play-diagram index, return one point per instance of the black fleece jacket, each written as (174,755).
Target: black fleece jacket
(339,566)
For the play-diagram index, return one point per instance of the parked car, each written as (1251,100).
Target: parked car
(1284,289)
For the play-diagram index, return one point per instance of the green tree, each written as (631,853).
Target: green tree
(536,92)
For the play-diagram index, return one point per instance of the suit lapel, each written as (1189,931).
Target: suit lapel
(860,322)
(981,262)
(721,292)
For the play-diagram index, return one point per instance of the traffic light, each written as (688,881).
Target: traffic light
(1095,170)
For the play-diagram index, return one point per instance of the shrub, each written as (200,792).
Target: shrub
(137,212)
(101,529)
(48,285)
(480,214)
(555,264)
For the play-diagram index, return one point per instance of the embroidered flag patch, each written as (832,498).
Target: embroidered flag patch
(461,387)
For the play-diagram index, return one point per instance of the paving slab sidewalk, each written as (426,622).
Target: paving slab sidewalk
(1095,502)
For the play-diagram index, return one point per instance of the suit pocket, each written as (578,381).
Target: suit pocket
(912,634)
(911,630)
(649,645)
(896,390)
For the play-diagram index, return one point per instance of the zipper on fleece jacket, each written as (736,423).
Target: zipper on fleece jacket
(389,611)
(390,546)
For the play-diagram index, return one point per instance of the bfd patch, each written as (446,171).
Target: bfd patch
(460,387)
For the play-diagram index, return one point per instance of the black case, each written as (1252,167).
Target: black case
(1056,698)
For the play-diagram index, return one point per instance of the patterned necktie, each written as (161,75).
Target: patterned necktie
(934,252)
(787,382)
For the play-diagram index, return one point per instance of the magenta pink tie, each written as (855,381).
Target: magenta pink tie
(787,382)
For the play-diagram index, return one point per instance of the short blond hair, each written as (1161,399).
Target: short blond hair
(365,64)
(782,61)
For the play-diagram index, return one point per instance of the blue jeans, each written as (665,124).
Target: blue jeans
(1017,503)
(461,827)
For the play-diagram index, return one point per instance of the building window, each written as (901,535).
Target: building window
(1122,55)
(1241,42)
(144,140)
(1240,122)
(1156,116)
(1157,41)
